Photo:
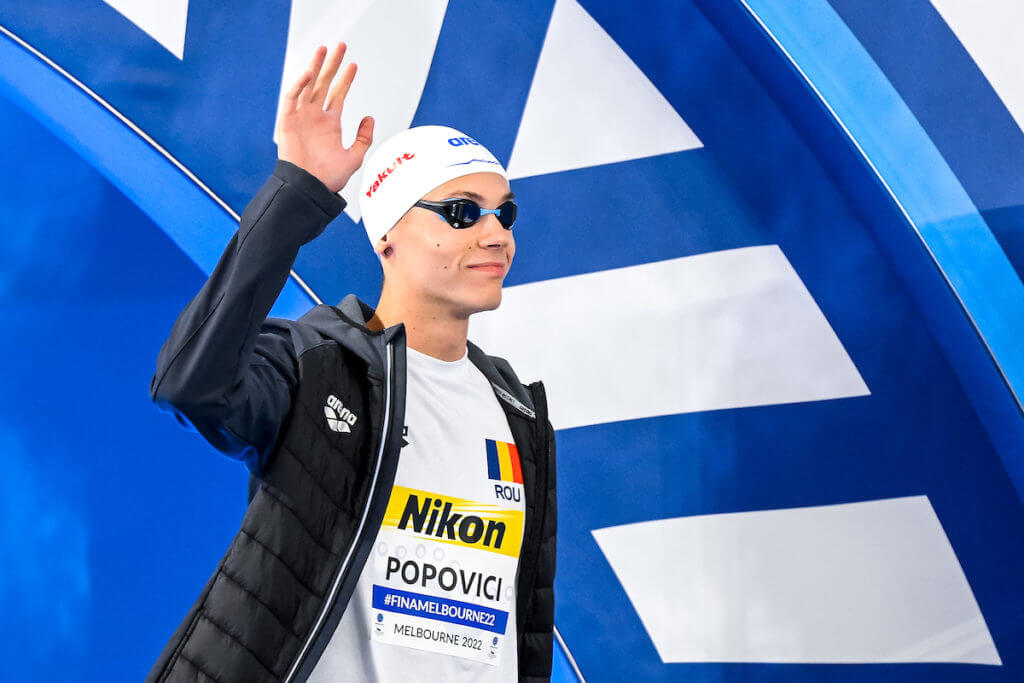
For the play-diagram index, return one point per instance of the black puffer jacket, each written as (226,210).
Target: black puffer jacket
(255,388)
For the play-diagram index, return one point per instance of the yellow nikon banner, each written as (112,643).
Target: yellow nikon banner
(467,523)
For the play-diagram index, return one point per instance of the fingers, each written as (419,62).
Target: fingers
(314,67)
(292,96)
(336,100)
(364,138)
(314,82)
(323,82)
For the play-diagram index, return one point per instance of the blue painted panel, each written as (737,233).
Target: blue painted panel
(145,175)
(111,516)
(209,110)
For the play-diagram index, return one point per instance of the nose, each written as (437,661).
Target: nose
(492,233)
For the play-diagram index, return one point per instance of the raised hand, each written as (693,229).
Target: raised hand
(309,127)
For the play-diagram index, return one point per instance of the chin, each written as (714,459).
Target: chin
(488,303)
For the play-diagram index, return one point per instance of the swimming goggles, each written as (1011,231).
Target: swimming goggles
(462,213)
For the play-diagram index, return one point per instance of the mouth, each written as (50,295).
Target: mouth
(491,268)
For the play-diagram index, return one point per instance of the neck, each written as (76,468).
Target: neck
(429,328)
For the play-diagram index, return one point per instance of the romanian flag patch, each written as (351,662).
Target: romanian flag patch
(503,462)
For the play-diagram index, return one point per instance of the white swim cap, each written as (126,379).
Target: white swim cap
(410,164)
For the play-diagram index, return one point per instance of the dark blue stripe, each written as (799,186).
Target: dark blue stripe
(493,468)
(484,96)
(439,609)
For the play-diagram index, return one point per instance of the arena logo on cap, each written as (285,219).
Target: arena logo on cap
(458,142)
(387,172)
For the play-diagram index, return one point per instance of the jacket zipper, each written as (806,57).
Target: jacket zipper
(332,594)
(530,555)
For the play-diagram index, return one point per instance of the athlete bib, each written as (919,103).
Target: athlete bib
(445,567)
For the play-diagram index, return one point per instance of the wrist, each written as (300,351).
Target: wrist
(327,199)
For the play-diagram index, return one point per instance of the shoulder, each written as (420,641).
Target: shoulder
(300,336)
(504,368)
(319,326)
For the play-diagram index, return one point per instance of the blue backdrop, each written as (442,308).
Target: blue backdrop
(863,141)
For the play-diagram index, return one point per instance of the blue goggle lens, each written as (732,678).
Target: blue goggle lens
(466,213)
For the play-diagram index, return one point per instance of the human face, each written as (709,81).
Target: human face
(460,270)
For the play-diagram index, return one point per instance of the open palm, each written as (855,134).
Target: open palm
(309,127)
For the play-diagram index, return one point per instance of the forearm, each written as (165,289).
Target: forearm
(208,350)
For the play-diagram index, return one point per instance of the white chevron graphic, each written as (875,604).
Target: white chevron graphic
(867,582)
(392,43)
(728,329)
(589,104)
(163,21)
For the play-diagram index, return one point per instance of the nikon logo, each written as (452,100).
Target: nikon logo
(443,523)
(453,520)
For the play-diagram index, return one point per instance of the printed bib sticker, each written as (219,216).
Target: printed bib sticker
(444,574)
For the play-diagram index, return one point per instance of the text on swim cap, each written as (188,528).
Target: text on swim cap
(388,171)
(458,142)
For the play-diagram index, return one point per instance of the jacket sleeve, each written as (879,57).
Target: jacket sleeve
(226,371)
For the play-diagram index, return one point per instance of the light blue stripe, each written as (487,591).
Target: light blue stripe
(933,203)
(189,216)
(906,159)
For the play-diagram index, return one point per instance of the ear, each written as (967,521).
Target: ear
(382,246)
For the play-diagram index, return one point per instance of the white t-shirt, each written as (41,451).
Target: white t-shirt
(436,598)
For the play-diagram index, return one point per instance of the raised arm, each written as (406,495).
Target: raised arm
(225,370)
